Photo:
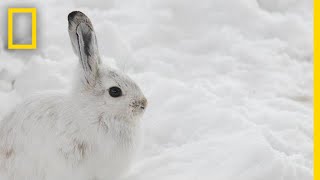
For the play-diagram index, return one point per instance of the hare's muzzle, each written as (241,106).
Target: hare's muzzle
(139,105)
(143,103)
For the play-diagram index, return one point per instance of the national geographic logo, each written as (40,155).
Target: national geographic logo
(11,27)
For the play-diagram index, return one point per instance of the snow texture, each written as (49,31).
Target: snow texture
(229,82)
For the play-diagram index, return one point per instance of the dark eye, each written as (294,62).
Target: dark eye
(115,92)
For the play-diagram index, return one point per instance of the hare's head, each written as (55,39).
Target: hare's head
(116,91)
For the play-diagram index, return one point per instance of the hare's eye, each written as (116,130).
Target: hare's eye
(115,92)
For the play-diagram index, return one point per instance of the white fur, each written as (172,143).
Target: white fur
(83,134)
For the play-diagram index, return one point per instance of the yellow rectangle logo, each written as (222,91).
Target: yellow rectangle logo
(33,12)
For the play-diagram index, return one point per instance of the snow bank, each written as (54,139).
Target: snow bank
(230,83)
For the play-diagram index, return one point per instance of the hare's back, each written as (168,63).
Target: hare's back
(31,122)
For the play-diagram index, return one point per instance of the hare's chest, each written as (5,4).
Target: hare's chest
(112,151)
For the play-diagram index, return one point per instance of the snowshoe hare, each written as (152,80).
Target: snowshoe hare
(90,133)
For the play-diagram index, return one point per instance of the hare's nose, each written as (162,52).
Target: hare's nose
(144,103)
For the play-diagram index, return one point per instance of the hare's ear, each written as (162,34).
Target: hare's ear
(85,46)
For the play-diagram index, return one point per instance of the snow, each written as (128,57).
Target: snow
(229,83)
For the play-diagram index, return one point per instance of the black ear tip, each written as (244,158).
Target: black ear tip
(74,14)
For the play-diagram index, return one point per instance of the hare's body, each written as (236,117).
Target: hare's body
(38,139)
(89,133)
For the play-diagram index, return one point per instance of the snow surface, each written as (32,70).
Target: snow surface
(229,83)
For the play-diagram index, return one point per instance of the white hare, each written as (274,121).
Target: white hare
(89,133)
